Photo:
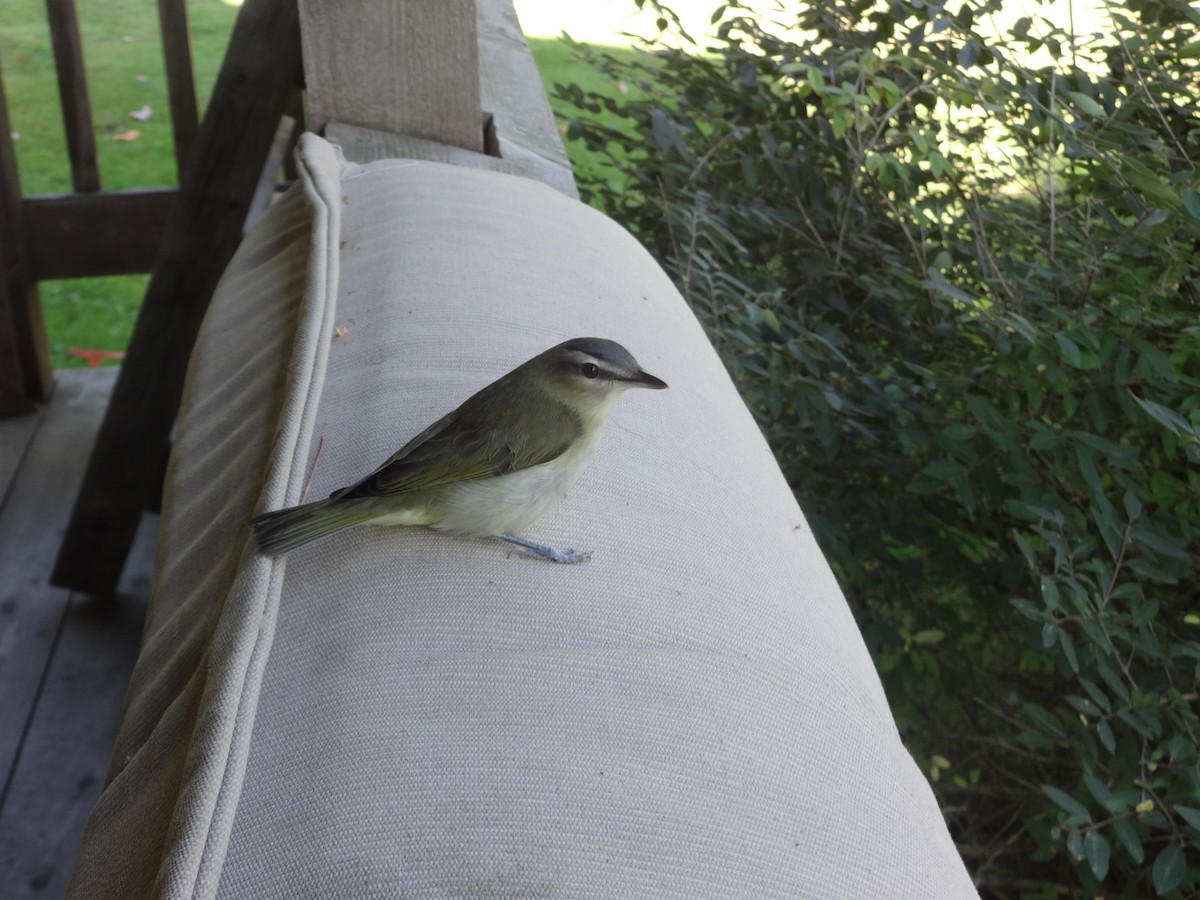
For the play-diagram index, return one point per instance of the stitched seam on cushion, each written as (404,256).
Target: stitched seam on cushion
(283,483)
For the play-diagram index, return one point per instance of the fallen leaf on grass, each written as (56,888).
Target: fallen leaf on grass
(94,357)
(131,135)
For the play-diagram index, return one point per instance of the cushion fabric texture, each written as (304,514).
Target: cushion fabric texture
(393,712)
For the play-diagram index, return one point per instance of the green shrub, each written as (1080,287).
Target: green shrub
(961,294)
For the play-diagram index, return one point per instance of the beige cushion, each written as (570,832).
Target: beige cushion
(394,712)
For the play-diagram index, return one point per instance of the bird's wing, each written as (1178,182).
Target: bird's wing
(450,451)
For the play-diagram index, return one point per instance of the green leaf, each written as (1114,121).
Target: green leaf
(1075,810)
(954,293)
(1168,418)
(1100,791)
(958,432)
(1189,814)
(1044,720)
(1050,633)
(1070,350)
(1086,459)
(1133,506)
(1096,849)
(1086,104)
(986,414)
(1191,199)
(1129,839)
(1155,819)
(1085,706)
(1169,868)
(1050,593)
(1068,648)
(1026,548)
(1104,514)
(1115,682)
(1159,544)
(1157,191)
(1105,733)
(1134,721)
(1098,696)
(944,470)
(1043,438)
(667,134)
(1028,609)
(1075,844)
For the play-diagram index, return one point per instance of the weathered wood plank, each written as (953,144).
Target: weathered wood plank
(25,373)
(81,235)
(260,71)
(72,89)
(512,91)
(32,520)
(66,751)
(411,67)
(525,137)
(15,434)
(181,82)
(64,662)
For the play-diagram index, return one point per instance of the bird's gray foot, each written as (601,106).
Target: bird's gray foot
(541,551)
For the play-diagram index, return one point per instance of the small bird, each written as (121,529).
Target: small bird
(489,468)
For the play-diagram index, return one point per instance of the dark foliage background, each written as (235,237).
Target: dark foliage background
(961,293)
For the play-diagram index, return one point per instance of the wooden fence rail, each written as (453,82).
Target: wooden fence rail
(89,232)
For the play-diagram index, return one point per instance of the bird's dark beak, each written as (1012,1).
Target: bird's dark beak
(646,380)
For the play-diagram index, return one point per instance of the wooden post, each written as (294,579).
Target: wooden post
(25,373)
(405,66)
(72,88)
(181,82)
(258,77)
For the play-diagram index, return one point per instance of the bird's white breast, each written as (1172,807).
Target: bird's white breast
(512,502)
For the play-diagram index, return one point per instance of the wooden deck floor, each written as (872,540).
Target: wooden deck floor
(65,660)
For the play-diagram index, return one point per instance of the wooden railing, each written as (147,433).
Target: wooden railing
(88,232)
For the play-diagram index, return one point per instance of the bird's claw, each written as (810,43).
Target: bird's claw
(565,557)
(541,551)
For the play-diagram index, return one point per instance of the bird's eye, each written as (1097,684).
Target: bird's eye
(589,370)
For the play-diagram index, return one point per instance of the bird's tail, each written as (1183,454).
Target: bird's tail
(286,529)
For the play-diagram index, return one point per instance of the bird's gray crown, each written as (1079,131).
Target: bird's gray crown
(602,349)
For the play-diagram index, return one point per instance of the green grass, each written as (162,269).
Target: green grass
(557,63)
(123,60)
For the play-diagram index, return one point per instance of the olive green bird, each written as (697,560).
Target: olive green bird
(491,467)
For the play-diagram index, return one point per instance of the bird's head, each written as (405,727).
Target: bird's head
(590,373)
